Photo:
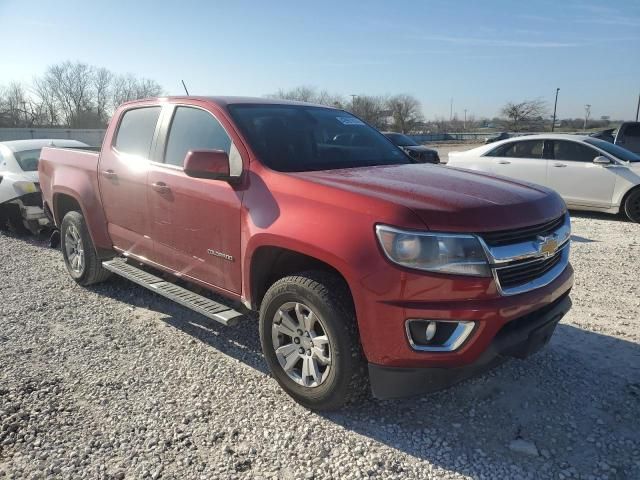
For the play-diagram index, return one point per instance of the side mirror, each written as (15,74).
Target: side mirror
(601,160)
(212,164)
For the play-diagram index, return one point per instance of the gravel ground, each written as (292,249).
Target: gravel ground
(114,382)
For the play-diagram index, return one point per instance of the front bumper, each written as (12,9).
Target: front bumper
(518,338)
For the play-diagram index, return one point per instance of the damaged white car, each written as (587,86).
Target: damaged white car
(20,197)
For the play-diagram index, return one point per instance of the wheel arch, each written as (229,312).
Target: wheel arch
(65,202)
(270,263)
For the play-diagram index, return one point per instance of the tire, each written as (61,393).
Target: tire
(79,253)
(632,206)
(326,308)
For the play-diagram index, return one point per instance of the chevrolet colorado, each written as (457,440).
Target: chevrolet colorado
(370,273)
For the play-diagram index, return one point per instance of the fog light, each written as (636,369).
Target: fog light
(430,331)
(438,335)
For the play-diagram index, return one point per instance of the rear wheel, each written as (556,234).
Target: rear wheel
(310,340)
(79,254)
(632,206)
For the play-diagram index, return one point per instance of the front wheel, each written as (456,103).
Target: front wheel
(310,340)
(79,254)
(632,206)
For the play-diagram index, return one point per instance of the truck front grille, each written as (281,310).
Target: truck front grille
(528,258)
(506,237)
(524,272)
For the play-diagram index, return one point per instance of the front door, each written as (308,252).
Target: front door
(122,178)
(577,179)
(195,222)
(523,160)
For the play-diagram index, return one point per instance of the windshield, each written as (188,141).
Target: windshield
(292,138)
(28,159)
(615,150)
(401,140)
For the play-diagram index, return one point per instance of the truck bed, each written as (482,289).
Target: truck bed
(71,175)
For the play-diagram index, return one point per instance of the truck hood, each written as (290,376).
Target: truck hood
(449,199)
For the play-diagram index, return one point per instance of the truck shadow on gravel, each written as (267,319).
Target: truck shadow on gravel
(575,406)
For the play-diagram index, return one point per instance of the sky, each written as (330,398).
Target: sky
(481,54)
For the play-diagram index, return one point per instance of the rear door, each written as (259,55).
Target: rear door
(520,159)
(122,176)
(577,179)
(195,222)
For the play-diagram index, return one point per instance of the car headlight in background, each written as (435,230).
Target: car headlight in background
(434,252)
(22,188)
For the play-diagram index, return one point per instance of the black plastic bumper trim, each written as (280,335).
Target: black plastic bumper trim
(519,338)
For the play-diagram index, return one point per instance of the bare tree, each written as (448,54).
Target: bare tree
(406,112)
(523,113)
(310,95)
(102,85)
(372,109)
(128,87)
(46,101)
(15,106)
(72,94)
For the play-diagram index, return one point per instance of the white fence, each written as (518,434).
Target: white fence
(90,136)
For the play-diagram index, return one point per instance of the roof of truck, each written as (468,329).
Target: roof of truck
(223,101)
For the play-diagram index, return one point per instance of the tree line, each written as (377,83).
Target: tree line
(400,113)
(71,94)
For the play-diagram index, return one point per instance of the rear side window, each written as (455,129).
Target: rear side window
(194,129)
(136,130)
(522,149)
(573,151)
(28,159)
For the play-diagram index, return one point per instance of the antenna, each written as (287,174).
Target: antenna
(185,87)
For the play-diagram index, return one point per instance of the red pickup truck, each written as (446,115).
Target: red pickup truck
(370,273)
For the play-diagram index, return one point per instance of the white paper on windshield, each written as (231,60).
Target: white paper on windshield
(350,121)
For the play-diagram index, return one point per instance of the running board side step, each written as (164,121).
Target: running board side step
(198,303)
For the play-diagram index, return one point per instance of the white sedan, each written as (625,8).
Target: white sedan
(589,173)
(20,197)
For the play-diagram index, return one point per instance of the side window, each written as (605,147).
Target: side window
(194,129)
(136,130)
(524,149)
(573,151)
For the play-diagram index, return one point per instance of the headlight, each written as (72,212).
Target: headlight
(434,252)
(22,188)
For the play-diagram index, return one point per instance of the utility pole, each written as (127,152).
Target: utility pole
(353,100)
(555,106)
(451,110)
(464,125)
(587,113)
(638,109)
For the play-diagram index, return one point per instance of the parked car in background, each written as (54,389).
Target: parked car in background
(589,173)
(607,135)
(419,153)
(497,137)
(20,197)
(367,270)
(626,136)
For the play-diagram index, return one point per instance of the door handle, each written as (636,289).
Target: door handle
(559,165)
(109,174)
(504,162)
(160,187)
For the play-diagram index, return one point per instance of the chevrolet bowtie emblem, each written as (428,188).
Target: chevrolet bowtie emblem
(547,245)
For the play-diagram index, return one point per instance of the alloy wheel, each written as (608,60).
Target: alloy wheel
(301,344)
